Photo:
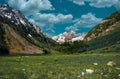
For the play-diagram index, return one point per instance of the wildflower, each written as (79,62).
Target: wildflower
(95,63)
(101,73)
(111,63)
(89,71)
(23,69)
(82,73)
(119,75)
(78,76)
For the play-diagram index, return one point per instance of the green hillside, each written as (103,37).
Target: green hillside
(110,23)
(106,35)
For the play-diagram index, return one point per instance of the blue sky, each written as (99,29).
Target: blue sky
(57,16)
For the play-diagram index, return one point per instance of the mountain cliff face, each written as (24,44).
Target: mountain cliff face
(105,35)
(18,35)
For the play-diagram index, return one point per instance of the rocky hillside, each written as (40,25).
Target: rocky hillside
(18,35)
(107,25)
(105,35)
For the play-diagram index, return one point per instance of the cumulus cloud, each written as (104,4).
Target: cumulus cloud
(103,3)
(79,2)
(85,21)
(31,6)
(98,3)
(48,20)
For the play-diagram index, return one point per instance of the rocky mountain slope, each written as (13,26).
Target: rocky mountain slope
(105,35)
(18,35)
(69,37)
(107,25)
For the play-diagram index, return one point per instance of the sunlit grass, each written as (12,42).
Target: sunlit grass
(80,66)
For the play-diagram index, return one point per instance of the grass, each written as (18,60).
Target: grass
(60,67)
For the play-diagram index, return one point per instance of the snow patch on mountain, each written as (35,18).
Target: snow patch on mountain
(17,18)
(69,37)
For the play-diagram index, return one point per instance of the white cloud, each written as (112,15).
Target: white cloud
(86,21)
(98,3)
(103,3)
(71,28)
(48,20)
(79,2)
(31,6)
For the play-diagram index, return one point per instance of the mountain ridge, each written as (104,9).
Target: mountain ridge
(105,36)
(107,25)
(28,38)
(69,37)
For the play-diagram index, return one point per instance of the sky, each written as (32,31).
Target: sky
(58,16)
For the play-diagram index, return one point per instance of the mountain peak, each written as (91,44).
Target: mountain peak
(24,37)
(14,16)
(5,7)
(69,36)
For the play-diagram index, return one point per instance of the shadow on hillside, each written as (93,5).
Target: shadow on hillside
(4,51)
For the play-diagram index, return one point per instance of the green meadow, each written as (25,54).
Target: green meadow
(73,66)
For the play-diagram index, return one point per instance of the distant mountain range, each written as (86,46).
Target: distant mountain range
(18,35)
(69,37)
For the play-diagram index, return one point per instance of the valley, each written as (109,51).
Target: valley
(26,52)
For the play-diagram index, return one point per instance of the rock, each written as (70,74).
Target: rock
(111,63)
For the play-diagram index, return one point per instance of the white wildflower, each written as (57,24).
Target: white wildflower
(95,63)
(82,73)
(78,76)
(23,69)
(119,75)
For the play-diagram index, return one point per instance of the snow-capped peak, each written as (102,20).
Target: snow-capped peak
(13,15)
(69,36)
(17,18)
